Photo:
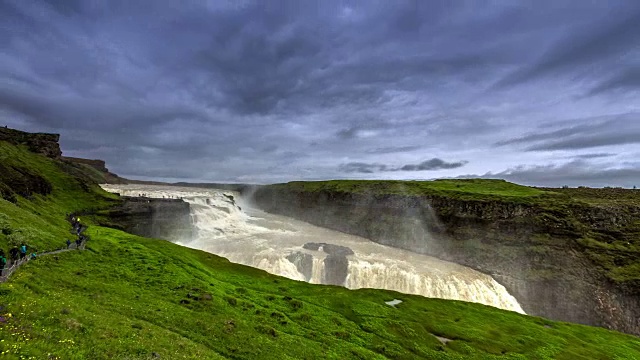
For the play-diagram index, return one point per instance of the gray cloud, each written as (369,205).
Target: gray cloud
(584,50)
(392,149)
(357,167)
(575,173)
(427,165)
(433,164)
(237,91)
(627,79)
(614,130)
(595,155)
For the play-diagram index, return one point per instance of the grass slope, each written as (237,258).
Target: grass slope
(127,297)
(469,189)
(39,220)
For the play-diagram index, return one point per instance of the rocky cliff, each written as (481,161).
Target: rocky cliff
(167,219)
(557,256)
(96,164)
(40,143)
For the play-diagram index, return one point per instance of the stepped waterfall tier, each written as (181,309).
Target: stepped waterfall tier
(225,225)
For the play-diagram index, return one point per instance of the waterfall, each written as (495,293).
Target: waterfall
(223,225)
(475,287)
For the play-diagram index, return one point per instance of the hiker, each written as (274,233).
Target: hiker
(68,243)
(14,254)
(33,255)
(78,244)
(23,251)
(3,263)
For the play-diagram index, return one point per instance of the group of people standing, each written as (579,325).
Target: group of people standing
(78,228)
(19,253)
(15,254)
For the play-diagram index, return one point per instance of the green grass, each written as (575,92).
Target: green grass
(40,220)
(602,196)
(484,189)
(127,297)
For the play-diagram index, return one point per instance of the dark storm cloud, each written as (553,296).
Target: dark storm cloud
(357,167)
(614,130)
(595,155)
(427,165)
(433,164)
(212,90)
(587,48)
(392,149)
(574,173)
(627,79)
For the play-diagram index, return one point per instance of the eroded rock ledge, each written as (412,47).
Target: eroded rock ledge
(167,219)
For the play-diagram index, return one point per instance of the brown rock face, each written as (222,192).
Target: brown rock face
(39,143)
(167,219)
(22,182)
(96,164)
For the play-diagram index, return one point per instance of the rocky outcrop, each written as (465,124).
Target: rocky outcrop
(101,175)
(96,164)
(39,143)
(167,219)
(336,264)
(535,252)
(19,181)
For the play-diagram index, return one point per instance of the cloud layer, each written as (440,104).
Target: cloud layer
(427,165)
(255,91)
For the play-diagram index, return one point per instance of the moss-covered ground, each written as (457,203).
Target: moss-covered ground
(127,297)
(459,188)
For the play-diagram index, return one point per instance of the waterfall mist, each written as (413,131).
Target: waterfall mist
(226,225)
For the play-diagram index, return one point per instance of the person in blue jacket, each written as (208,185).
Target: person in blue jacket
(23,251)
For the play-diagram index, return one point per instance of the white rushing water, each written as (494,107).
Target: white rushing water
(227,226)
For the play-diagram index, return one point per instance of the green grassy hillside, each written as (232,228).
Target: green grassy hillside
(463,189)
(127,297)
(29,214)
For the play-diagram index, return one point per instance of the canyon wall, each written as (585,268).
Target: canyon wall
(167,219)
(537,253)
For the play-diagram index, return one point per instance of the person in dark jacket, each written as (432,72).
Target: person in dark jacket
(3,263)
(68,243)
(14,254)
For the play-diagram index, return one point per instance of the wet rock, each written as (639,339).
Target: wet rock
(303,262)
(330,249)
(168,219)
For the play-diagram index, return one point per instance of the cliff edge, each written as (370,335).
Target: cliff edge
(39,143)
(570,255)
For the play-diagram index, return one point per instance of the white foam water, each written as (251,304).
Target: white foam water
(227,226)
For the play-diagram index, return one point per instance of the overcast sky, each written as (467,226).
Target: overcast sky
(535,92)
